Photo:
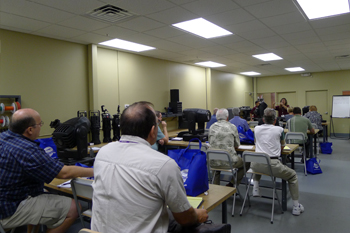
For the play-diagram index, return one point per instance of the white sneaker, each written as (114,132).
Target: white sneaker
(297,210)
(256,192)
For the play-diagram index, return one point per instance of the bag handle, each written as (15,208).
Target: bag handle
(195,139)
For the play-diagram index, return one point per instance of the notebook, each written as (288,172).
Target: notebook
(195,201)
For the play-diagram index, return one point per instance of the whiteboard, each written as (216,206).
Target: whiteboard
(341,106)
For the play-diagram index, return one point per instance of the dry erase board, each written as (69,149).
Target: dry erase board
(341,106)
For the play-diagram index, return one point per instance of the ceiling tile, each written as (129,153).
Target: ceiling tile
(19,22)
(230,17)
(271,8)
(83,23)
(173,15)
(210,7)
(141,24)
(61,32)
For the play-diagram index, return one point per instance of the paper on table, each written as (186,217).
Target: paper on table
(176,139)
(245,147)
(65,184)
(95,148)
(286,148)
(195,201)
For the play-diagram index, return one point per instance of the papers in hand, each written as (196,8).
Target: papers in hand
(64,184)
(176,139)
(195,201)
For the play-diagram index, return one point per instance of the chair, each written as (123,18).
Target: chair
(85,230)
(82,188)
(252,124)
(249,157)
(297,136)
(2,230)
(215,154)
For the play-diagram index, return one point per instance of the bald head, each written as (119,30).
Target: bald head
(22,119)
(138,120)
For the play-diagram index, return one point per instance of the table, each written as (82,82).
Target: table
(217,195)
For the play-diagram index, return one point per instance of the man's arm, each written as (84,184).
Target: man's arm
(68,172)
(191,216)
(165,132)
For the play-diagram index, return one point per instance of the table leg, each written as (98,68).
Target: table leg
(284,184)
(315,144)
(325,133)
(311,151)
(224,212)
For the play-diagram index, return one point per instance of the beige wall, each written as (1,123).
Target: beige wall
(334,82)
(50,75)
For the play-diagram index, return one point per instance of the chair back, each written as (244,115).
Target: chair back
(2,230)
(82,188)
(217,154)
(85,230)
(195,145)
(294,136)
(252,124)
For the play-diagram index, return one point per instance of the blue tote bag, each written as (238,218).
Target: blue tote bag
(245,137)
(313,166)
(193,166)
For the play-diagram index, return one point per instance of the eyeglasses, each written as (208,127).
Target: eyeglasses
(40,124)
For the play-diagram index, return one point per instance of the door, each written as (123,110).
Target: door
(320,100)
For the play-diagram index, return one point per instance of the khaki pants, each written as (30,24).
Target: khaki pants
(225,165)
(281,171)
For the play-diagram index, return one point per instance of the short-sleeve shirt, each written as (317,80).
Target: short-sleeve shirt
(299,124)
(24,168)
(133,186)
(315,118)
(237,121)
(224,135)
(160,135)
(268,139)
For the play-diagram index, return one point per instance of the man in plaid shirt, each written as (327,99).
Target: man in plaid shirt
(24,168)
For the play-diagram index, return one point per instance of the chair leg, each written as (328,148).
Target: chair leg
(304,156)
(234,195)
(246,193)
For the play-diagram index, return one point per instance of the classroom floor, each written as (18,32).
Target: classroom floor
(326,198)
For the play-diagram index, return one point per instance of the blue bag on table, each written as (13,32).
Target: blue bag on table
(193,166)
(49,146)
(245,137)
(313,166)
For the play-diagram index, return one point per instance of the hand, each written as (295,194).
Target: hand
(163,124)
(161,142)
(202,215)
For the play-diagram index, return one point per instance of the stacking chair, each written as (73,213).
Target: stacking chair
(82,188)
(298,136)
(215,154)
(252,124)
(249,157)
(2,230)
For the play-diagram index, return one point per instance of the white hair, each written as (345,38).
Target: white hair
(222,114)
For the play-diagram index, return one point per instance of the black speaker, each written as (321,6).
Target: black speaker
(174,95)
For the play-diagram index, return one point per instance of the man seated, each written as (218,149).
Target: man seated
(224,135)
(212,119)
(238,121)
(269,139)
(134,185)
(24,168)
(300,124)
(162,138)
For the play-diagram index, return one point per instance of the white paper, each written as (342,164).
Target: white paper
(176,139)
(245,147)
(65,184)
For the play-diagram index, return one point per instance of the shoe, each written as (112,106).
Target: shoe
(229,185)
(256,192)
(297,210)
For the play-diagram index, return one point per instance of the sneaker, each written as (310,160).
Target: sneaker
(297,210)
(256,192)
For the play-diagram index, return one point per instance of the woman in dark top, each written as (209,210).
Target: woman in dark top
(282,108)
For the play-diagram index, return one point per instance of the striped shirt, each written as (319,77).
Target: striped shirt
(24,168)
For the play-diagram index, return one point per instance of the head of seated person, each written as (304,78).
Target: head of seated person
(222,114)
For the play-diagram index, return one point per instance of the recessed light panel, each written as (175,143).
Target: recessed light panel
(250,73)
(210,64)
(127,45)
(203,28)
(315,9)
(267,57)
(294,69)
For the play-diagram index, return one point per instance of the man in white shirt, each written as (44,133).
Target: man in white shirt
(135,184)
(270,140)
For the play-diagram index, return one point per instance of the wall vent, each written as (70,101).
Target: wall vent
(110,14)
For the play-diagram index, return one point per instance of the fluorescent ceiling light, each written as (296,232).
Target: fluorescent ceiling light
(210,64)
(250,73)
(203,28)
(267,57)
(315,9)
(127,45)
(294,69)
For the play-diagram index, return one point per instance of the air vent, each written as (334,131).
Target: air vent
(110,14)
(342,57)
